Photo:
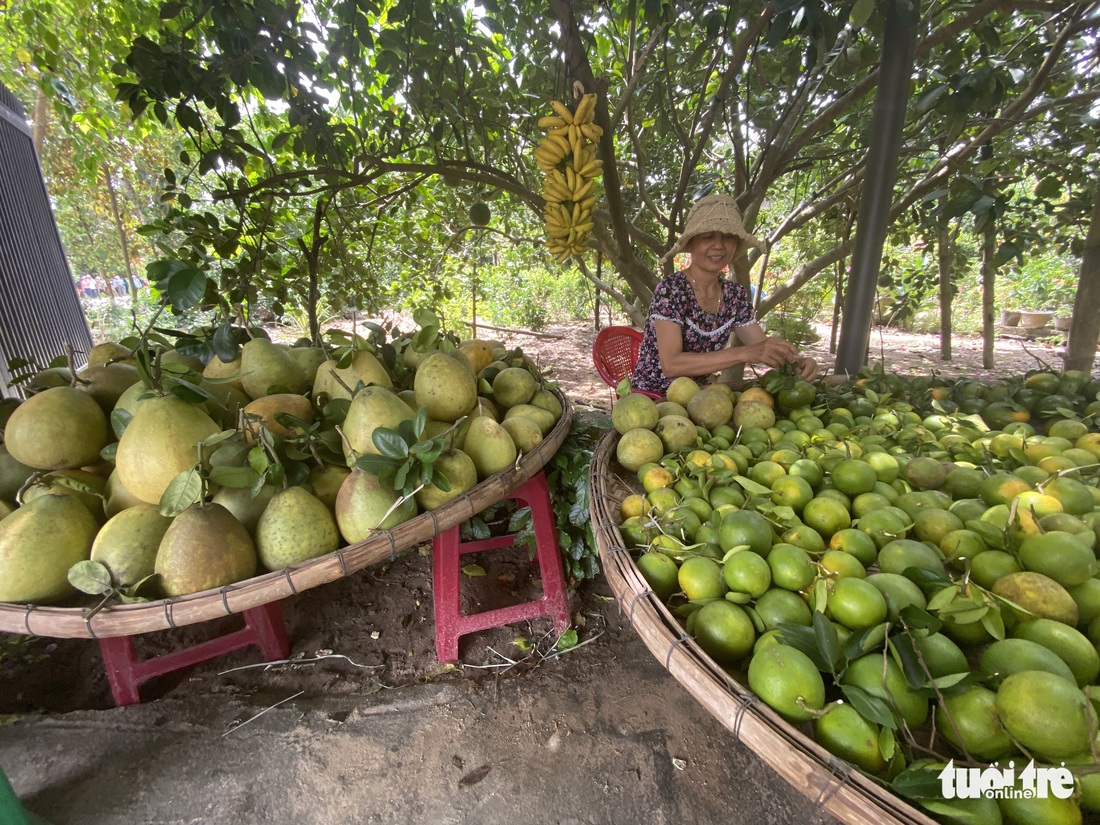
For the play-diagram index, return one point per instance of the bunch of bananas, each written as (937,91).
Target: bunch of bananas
(568,160)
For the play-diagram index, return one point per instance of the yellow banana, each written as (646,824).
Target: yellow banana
(582,189)
(562,110)
(584,228)
(570,179)
(559,141)
(554,192)
(588,203)
(592,131)
(575,217)
(592,169)
(547,155)
(585,109)
(551,121)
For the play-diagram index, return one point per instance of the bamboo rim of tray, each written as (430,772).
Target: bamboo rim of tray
(831,783)
(163,614)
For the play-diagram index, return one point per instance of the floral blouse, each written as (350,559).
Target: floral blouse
(674,300)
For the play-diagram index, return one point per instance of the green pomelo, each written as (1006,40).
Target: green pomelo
(926,473)
(745,527)
(13,475)
(632,411)
(461,474)
(969,721)
(261,414)
(489,446)
(681,390)
(514,385)
(525,433)
(229,371)
(160,442)
(787,681)
(363,506)
(710,408)
(39,542)
(127,544)
(670,408)
(778,606)
(639,447)
(245,507)
(371,408)
(1007,656)
(204,547)
(1047,714)
(1058,555)
(724,631)
(1068,643)
(855,604)
(106,384)
(660,573)
(267,368)
(752,414)
(335,382)
(901,554)
(883,678)
(1048,810)
(87,487)
(326,481)
(677,433)
(1087,598)
(843,732)
(58,428)
(118,498)
(309,359)
(295,526)
(545,399)
(445,386)
(1040,595)
(898,591)
(941,655)
(541,417)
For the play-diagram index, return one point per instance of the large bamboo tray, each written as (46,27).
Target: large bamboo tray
(145,617)
(831,783)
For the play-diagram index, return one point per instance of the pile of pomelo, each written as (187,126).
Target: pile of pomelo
(176,474)
(905,569)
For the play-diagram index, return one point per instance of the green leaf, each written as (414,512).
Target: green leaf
(389,443)
(918,783)
(236,477)
(828,642)
(860,13)
(750,486)
(91,577)
(567,640)
(869,707)
(258,460)
(120,419)
(182,491)
(473,570)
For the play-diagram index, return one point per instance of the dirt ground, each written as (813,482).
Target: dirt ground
(371,634)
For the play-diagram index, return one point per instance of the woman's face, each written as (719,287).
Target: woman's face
(712,251)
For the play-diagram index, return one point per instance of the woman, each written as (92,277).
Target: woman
(695,310)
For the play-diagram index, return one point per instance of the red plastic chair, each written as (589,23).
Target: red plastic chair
(615,352)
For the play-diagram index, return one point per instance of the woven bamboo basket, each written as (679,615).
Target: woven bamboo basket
(831,783)
(145,617)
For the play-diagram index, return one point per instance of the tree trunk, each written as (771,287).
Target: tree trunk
(39,120)
(989,268)
(123,241)
(944,256)
(1085,325)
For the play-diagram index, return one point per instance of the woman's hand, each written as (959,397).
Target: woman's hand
(807,367)
(775,352)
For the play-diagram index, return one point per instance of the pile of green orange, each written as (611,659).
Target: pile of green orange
(910,581)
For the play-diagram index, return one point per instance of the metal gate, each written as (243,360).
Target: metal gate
(39,308)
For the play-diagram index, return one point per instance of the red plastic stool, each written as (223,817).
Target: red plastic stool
(447,552)
(263,627)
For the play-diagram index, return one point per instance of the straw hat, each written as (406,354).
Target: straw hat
(713,213)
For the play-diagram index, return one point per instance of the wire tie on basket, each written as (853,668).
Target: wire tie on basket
(672,647)
(290,581)
(27,610)
(340,558)
(393,544)
(168,613)
(88,624)
(435,523)
(748,702)
(837,770)
(634,601)
(225,600)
